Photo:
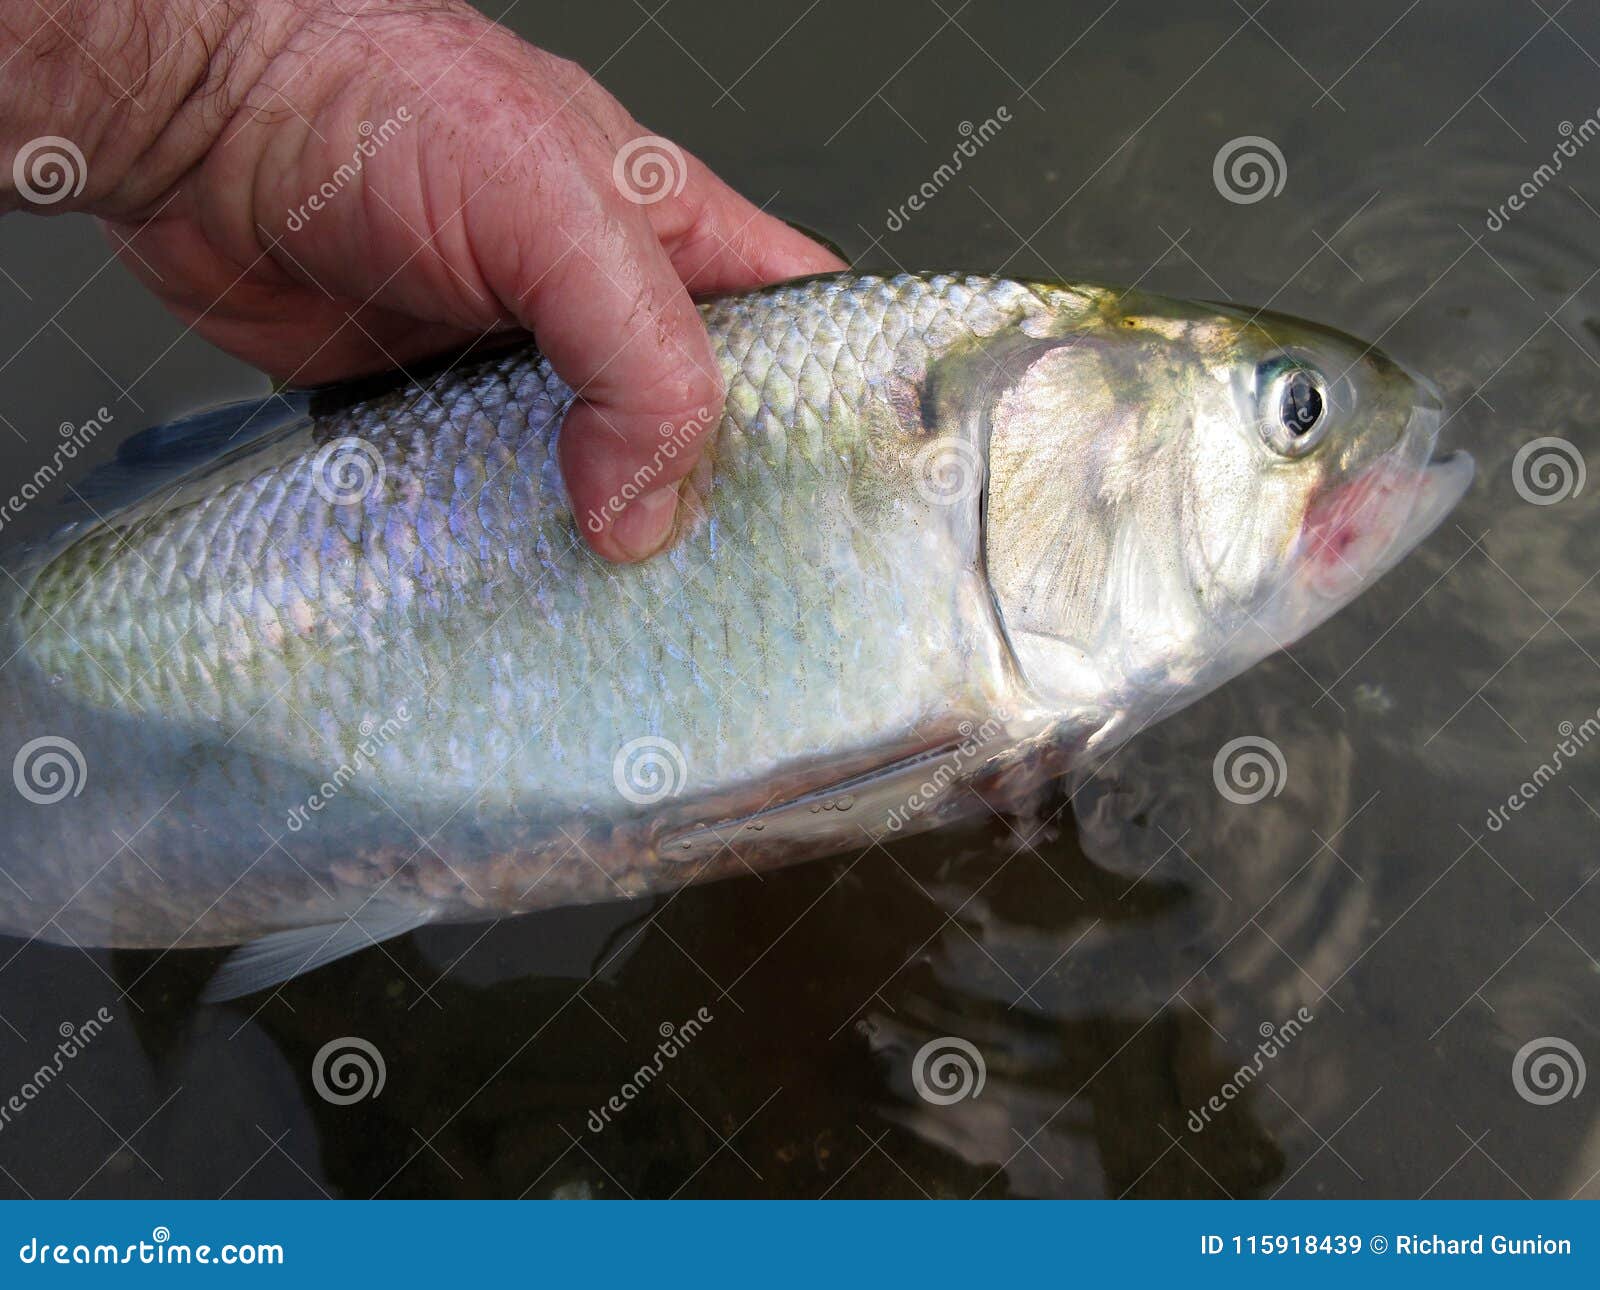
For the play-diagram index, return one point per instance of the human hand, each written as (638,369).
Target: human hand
(342,192)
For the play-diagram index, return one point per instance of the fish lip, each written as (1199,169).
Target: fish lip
(1428,401)
(1426,486)
(1444,482)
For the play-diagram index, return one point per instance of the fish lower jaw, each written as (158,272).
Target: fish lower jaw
(1370,523)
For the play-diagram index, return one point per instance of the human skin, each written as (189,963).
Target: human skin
(487,198)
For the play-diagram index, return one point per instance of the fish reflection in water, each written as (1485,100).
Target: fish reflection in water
(1185,964)
(1106,1000)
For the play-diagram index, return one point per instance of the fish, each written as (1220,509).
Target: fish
(310,671)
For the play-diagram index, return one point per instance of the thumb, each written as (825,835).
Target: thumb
(613,317)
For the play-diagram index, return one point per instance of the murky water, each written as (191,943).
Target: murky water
(1350,967)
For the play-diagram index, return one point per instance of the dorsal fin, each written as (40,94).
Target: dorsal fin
(164,453)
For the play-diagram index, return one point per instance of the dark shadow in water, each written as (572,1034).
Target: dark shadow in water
(508,1080)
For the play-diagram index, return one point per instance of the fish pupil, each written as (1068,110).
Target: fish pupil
(1302,404)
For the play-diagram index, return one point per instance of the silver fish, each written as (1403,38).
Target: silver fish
(322,668)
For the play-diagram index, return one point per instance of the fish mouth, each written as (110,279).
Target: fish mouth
(1363,527)
(1444,482)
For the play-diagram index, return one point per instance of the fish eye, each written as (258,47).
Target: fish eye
(1300,406)
(1294,411)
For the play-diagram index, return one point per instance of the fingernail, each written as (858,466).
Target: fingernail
(643,529)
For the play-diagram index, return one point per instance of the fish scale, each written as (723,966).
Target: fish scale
(245,636)
(420,701)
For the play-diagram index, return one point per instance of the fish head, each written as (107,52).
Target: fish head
(1177,490)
